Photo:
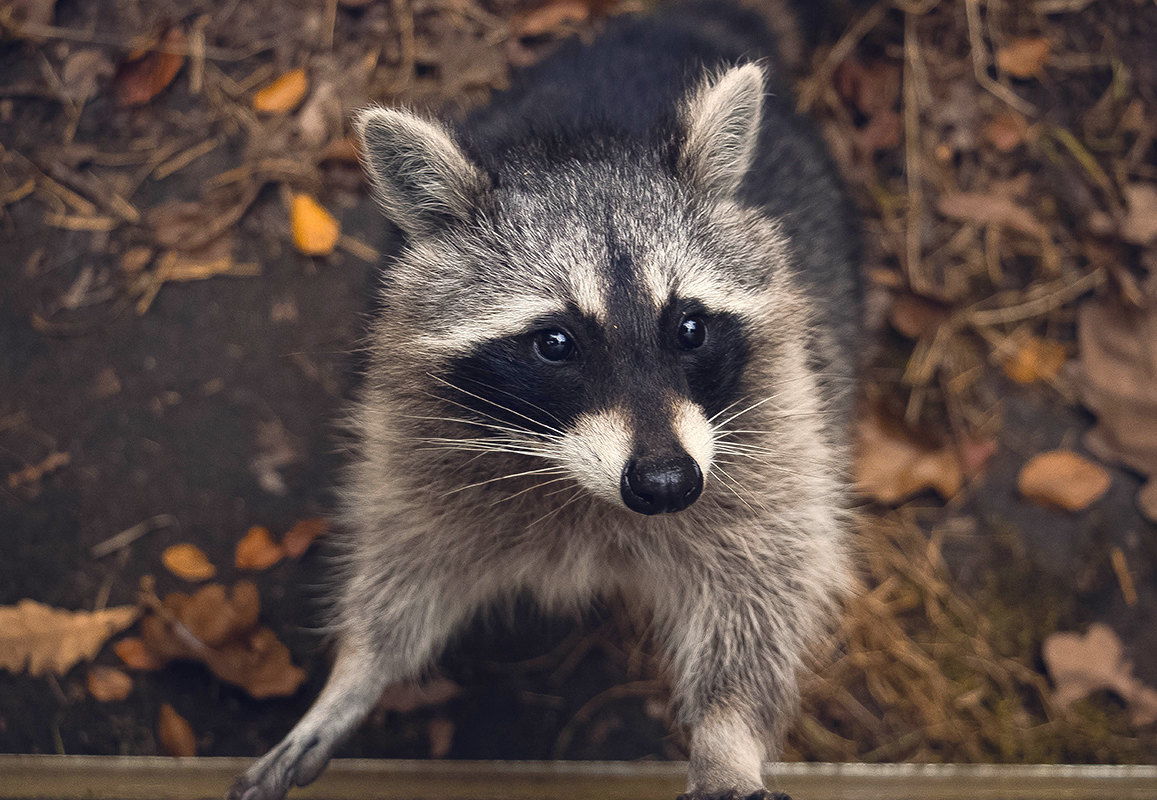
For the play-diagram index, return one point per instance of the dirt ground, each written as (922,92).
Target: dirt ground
(172,363)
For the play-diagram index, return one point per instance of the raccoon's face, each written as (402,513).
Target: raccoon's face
(593,311)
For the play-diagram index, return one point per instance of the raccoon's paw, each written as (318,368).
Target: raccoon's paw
(288,764)
(762,794)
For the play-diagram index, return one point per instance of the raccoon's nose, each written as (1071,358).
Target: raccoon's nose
(657,485)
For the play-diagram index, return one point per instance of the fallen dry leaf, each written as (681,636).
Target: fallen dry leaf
(1062,479)
(315,231)
(892,464)
(441,732)
(1024,57)
(1080,665)
(34,472)
(282,94)
(220,630)
(990,209)
(1036,359)
(140,79)
(1006,131)
(550,17)
(257,550)
(175,733)
(106,684)
(298,539)
(1117,378)
(132,651)
(406,697)
(37,639)
(915,316)
(188,561)
(1140,223)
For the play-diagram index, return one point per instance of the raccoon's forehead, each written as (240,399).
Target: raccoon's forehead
(543,259)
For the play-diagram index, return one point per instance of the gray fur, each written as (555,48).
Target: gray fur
(453,503)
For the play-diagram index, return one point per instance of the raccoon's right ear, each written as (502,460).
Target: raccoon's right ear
(720,121)
(420,175)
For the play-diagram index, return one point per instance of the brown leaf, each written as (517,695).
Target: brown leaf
(406,697)
(107,683)
(1062,479)
(1140,223)
(315,231)
(188,561)
(132,651)
(38,639)
(282,94)
(915,316)
(441,732)
(1036,359)
(1117,378)
(175,733)
(298,539)
(1080,665)
(221,631)
(550,18)
(892,464)
(990,209)
(1024,57)
(1006,131)
(871,88)
(257,550)
(139,80)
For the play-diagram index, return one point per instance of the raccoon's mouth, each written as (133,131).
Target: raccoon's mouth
(661,485)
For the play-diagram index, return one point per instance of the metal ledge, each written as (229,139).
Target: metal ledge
(154,778)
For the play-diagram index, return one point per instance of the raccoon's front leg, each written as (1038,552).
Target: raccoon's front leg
(734,659)
(387,633)
(355,684)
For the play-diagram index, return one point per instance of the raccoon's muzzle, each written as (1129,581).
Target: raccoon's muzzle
(661,485)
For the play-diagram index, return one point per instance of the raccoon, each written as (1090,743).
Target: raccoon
(613,356)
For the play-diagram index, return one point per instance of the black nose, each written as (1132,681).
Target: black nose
(658,485)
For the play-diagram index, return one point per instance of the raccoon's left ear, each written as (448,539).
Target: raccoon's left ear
(420,175)
(720,121)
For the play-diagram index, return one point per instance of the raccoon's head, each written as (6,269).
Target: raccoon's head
(590,302)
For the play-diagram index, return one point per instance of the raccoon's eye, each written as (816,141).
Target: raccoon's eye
(692,332)
(554,345)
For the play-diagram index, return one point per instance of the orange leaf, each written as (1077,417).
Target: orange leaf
(107,683)
(1023,58)
(301,536)
(1036,359)
(549,18)
(141,79)
(1063,479)
(315,231)
(283,94)
(38,639)
(133,652)
(188,562)
(257,550)
(175,733)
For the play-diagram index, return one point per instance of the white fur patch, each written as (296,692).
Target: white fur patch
(508,319)
(588,290)
(596,449)
(695,433)
(725,755)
